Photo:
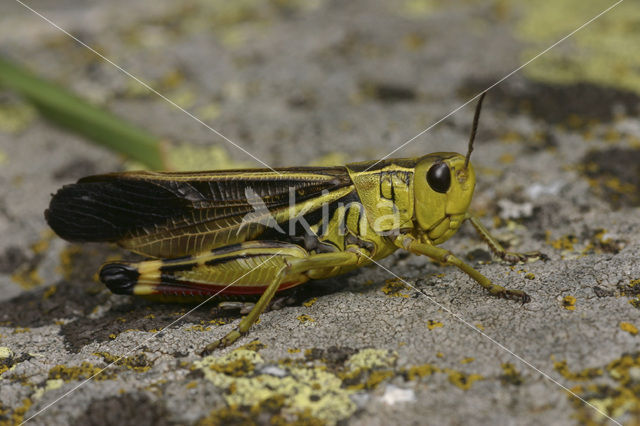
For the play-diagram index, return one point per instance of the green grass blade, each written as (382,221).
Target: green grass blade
(76,114)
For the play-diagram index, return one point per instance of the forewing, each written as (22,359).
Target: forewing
(176,214)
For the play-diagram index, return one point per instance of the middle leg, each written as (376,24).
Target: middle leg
(498,250)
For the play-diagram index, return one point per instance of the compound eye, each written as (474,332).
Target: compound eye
(439,177)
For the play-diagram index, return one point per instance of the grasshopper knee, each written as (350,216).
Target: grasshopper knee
(449,259)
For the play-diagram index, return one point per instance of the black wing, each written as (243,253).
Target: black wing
(177,214)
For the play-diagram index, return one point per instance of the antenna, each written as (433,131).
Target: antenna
(476,118)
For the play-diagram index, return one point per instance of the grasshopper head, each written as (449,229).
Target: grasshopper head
(443,187)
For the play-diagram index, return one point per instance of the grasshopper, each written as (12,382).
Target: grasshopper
(204,230)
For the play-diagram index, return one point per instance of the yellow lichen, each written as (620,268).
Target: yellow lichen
(17,417)
(50,384)
(586,374)
(49,292)
(242,416)
(510,375)
(238,367)
(599,56)
(81,372)
(368,368)
(66,260)
(301,390)
(26,277)
(254,345)
(631,289)
(310,302)
(305,318)
(372,358)
(393,288)
(42,245)
(197,327)
(298,389)
(431,324)
(569,303)
(616,400)
(462,380)
(5,352)
(565,243)
(377,377)
(629,328)
(419,371)
(138,362)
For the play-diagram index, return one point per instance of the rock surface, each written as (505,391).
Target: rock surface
(329,82)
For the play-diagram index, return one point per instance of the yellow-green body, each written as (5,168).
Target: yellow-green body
(383,203)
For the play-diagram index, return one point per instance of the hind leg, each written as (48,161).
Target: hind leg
(293,268)
(245,269)
(254,267)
